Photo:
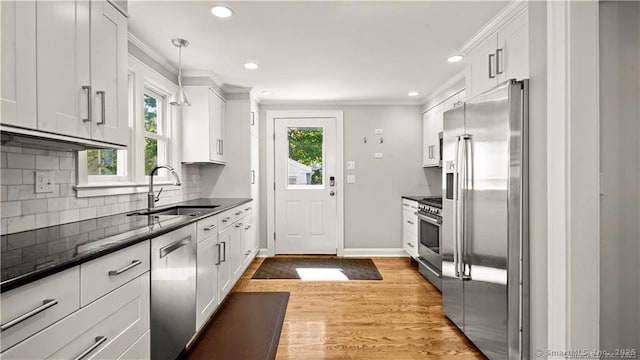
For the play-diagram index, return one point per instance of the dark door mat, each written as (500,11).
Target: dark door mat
(248,326)
(328,269)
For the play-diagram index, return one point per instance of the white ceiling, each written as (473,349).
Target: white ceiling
(318,51)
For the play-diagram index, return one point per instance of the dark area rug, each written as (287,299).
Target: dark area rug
(248,326)
(317,268)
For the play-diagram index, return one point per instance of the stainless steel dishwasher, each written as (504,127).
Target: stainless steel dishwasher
(173,292)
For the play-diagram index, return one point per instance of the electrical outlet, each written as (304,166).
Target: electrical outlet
(351,179)
(351,165)
(377,155)
(44,182)
(378,131)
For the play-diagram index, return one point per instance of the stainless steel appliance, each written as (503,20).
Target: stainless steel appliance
(429,235)
(485,243)
(173,292)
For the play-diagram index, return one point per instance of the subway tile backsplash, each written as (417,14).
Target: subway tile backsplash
(22,209)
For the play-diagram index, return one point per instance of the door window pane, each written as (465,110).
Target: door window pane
(306,156)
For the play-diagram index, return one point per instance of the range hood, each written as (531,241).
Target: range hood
(17,136)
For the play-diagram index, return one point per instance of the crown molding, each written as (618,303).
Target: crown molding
(152,53)
(267,102)
(498,22)
(445,87)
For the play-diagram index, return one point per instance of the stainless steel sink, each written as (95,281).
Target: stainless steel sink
(178,210)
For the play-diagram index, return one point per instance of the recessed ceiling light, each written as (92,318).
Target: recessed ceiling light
(221,11)
(413,93)
(455,58)
(267,93)
(251,66)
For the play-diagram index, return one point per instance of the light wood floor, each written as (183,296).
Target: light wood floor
(399,317)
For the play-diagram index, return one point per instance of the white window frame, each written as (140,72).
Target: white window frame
(141,78)
(163,134)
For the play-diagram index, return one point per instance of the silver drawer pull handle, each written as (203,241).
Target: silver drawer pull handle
(411,222)
(133,264)
(410,244)
(99,340)
(219,255)
(87,88)
(174,246)
(224,251)
(210,228)
(239,212)
(103,121)
(248,227)
(238,225)
(247,209)
(405,204)
(45,305)
(226,219)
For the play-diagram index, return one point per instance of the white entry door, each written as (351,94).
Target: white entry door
(305,163)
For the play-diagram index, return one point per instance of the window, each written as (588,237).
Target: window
(153,129)
(155,140)
(306,156)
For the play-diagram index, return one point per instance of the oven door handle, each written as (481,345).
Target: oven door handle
(428,219)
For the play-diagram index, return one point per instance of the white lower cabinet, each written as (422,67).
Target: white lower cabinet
(225,273)
(206,279)
(103,330)
(140,350)
(410,227)
(51,298)
(236,257)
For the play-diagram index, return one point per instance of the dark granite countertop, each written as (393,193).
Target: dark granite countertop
(32,255)
(419,198)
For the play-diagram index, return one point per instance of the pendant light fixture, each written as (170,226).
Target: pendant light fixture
(180,97)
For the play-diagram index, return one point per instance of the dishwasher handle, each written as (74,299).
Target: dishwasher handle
(164,251)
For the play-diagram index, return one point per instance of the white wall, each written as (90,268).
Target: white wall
(620,167)
(372,204)
(232,180)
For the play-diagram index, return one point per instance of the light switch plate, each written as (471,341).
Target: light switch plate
(44,182)
(377,155)
(351,179)
(378,131)
(351,165)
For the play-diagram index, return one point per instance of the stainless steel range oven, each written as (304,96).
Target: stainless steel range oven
(429,235)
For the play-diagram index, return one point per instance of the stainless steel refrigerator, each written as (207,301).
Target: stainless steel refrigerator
(485,220)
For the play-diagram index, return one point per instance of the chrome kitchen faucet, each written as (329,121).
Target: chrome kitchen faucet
(151,197)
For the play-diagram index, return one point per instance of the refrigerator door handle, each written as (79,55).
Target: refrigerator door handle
(466,148)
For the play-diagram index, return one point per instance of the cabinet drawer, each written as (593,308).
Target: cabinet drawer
(207,227)
(109,272)
(140,350)
(246,210)
(226,218)
(108,326)
(409,205)
(56,296)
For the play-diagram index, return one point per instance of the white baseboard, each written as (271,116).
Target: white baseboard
(375,252)
(262,252)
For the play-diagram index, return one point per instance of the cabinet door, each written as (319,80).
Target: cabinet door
(206,280)
(223,116)
(430,137)
(109,39)
(513,49)
(62,43)
(481,70)
(247,241)
(18,91)
(215,130)
(237,258)
(225,237)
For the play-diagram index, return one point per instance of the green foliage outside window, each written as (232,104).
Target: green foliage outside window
(305,146)
(150,125)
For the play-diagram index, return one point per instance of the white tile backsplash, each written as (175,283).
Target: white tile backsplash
(23,209)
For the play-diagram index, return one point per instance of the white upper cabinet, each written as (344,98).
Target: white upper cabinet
(502,52)
(109,57)
(18,92)
(513,50)
(64,66)
(432,127)
(203,127)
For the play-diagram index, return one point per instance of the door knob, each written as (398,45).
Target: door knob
(332,193)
